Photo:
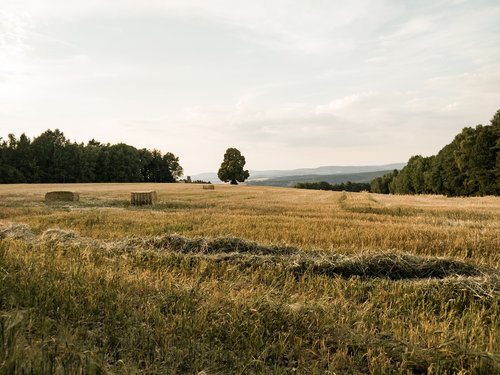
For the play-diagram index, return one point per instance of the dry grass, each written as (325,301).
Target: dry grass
(247,280)
(348,223)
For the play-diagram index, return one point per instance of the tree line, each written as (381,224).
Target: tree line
(323,185)
(468,166)
(52,158)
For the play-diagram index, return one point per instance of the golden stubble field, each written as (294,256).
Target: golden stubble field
(245,279)
(345,222)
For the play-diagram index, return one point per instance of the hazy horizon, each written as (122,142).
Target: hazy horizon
(290,84)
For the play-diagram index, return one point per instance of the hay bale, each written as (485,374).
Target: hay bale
(67,196)
(208,187)
(140,198)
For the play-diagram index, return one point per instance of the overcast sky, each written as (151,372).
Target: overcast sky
(290,83)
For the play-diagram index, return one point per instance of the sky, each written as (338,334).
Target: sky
(290,83)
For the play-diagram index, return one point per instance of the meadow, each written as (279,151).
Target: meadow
(247,279)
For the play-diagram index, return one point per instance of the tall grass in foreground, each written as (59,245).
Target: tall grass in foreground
(127,296)
(67,308)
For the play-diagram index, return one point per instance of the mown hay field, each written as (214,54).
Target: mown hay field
(244,279)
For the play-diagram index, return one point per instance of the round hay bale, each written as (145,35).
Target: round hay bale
(66,196)
(208,187)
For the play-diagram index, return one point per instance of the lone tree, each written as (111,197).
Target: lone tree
(231,168)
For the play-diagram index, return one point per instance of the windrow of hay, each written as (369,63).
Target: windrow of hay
(16,231)
(389,265)
(205,245)
(59,235)
(393,266)
(484,286)
(23,232)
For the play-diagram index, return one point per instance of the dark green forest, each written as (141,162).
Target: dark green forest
(323,185)
(468,166)
(52,158)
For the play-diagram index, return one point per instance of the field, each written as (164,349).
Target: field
(245,279)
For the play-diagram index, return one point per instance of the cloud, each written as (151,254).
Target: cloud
(14,29)
(485,80)
(289,25)
(412,28)
(450,107)
(283,24)
(430,117)
(377,59)
(338,104)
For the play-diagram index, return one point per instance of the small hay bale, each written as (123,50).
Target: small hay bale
(208,187)
(67,196)
(140,198)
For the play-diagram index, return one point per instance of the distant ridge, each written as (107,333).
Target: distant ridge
(337,178)
(325,170)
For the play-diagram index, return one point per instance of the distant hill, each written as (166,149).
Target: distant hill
(290,181)
(326,170)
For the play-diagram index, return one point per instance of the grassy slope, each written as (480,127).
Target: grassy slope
(290,181)
(96,302)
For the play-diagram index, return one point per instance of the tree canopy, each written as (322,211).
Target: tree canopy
(468,166)
(51,157)
(343,186)
(232,166)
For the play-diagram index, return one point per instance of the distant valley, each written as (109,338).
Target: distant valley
(332,174)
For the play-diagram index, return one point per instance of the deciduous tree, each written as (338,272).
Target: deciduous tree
(232,166)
